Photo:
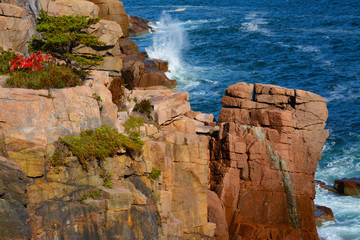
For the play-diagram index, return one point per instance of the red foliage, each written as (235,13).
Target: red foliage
(32,62)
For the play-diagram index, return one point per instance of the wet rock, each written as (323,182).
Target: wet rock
(348,186)
(323,214)
(325,186)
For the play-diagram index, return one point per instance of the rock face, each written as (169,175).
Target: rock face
(14,31)
(264,161)
(348,186)
(113,10)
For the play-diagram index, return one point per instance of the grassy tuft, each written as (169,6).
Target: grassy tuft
(133,123)
(155,173)
(144,106)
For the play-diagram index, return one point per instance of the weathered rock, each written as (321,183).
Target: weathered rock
(137,74)
(167,108)
(216,215)
(138,26)
(108,32)
(9,10)
(14,217)
(323,214)
(264,160)
(128,46)
(33,119)
(348,186)
(58,8)
(14,31)
(113,10)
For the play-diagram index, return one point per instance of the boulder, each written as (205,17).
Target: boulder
(348,186)
(136,73)
(108,32)
(113,10)
(138,26)
(323,214)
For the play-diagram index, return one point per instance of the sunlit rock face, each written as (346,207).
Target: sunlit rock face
(264,160)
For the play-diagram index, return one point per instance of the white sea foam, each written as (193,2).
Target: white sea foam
(169,41)
(177,10)
(308,48)
(346,210)
(255,23)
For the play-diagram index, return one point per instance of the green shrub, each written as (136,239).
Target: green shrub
(94,195)
(132,123)
(5,58)
(144,106)
(95,144)
(155,173)
(52,76)
(60,35)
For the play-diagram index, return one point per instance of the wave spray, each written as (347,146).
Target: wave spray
(169,41)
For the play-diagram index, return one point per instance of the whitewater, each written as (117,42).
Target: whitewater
(314,46)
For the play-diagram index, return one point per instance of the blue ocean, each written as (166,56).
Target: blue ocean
(309,45)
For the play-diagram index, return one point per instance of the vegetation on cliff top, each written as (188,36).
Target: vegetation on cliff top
(60,36)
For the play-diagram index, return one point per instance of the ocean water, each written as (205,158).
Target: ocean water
(309,45)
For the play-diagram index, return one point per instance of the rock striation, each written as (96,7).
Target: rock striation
(264,160)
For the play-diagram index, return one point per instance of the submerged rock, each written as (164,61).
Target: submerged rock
(325,186)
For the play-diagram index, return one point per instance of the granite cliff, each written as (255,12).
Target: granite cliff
(249,176)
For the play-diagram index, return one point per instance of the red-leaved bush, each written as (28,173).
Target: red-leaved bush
(32,62)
